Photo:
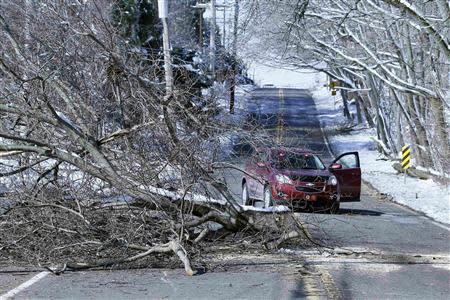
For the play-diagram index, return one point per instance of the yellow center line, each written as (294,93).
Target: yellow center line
(329,284)
(280,125)
(311,285)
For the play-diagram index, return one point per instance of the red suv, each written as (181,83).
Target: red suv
(299,179)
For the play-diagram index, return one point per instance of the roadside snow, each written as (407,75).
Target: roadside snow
(426,196)
(272,209)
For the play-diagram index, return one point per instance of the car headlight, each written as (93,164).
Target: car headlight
(332,180)
(283,179)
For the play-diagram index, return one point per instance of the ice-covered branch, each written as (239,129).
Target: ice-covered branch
(415,13)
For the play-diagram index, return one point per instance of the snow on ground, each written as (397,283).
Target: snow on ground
(264,74)
(272,209)
(426,196)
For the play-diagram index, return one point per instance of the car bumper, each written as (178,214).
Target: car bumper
(288,194)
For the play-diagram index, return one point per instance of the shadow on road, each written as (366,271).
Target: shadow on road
(360,212)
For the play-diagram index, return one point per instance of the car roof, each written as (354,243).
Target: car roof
(280,149)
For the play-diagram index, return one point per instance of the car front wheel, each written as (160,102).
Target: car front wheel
(268,202)
(245,196)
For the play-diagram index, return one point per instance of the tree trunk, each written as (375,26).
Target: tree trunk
(345,102)
(423,147)
(358,108)
(375,101)
(365,108)
(398,125)
(234,58)
(441,131)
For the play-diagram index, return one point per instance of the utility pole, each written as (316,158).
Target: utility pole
(223,9)
(163,8)
(201,9)
(234,63)
(163,11)
(212,40)
(167,58)
(200,29)
(223,25)
(28,13)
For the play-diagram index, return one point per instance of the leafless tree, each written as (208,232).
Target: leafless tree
(101,168)
(391,56)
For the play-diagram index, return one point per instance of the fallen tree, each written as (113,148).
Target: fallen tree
(102,169)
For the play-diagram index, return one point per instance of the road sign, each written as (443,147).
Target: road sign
(333,85)
(406,157)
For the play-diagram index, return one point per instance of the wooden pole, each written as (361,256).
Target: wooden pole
(167,59)
(234,63)
(212,40)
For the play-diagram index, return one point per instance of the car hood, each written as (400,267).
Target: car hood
(301,173)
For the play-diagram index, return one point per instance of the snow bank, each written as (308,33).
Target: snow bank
(426,196)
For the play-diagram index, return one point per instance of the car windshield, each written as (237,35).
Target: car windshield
(289,160)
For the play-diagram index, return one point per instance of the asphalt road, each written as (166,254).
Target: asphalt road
(374,249)
(386,250)
(156,284)
(375,222)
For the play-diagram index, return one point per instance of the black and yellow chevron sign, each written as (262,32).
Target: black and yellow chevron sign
(406,157)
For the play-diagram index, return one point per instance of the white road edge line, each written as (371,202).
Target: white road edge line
(24,285)
(443,226)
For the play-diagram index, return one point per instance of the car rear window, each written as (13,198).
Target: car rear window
(289,160)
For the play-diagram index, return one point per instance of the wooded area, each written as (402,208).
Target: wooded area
(391,56)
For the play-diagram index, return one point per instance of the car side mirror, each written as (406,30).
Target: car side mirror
(335,166)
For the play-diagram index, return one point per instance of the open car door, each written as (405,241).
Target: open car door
(347,170)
